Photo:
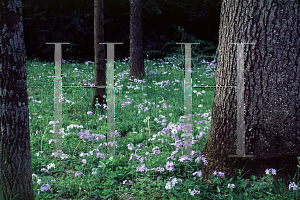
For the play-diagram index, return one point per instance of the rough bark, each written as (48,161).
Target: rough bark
(137,69)
(15,154)
(100,64)
(272,117)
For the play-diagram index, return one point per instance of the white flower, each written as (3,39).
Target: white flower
(130,146)
(168,186)
(50,141)
(34,175)
(50,165)
(172,126)
(293,185)
(81,154)
(174,131)
(95,173)
(63,156)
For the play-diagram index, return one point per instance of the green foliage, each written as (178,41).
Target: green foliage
(85,174)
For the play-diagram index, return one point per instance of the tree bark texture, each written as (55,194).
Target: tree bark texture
(272,98)
(15,154)
(100,64)
(137,69)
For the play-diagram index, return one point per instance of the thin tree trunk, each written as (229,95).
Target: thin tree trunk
(137,69)
(100,65)
(15,154)
(272,117)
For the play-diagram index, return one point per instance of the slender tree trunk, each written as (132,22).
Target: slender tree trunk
(15,154)
(100,65)
(272,116)
(137,69)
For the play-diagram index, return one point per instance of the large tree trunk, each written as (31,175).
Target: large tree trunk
(137,69)
(15,154)
(100,65)
(272,117)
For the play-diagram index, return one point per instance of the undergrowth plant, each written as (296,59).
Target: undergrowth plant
(149,116)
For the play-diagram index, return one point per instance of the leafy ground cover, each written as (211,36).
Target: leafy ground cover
(149,163)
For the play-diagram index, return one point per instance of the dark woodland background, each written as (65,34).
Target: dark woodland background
(165,22)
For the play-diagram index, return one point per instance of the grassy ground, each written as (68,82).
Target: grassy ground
(148,119)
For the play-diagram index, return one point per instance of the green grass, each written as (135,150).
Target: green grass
(139,109)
